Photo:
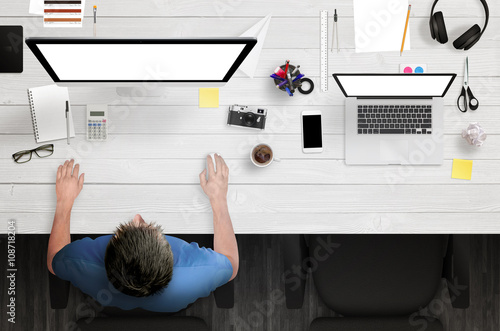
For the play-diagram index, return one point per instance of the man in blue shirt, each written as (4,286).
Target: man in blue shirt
(138,266)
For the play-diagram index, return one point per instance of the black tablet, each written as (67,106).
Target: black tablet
(11,48)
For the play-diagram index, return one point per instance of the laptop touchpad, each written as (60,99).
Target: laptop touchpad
(394,151)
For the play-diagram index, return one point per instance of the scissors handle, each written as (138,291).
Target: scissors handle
(473,102)
(462,97)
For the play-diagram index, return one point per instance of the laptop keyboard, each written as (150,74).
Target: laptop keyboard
(399,119)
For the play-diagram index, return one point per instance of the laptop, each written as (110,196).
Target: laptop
(394,118)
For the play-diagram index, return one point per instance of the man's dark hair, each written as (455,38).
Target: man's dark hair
(139,261)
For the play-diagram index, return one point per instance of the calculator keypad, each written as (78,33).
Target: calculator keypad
(97,130)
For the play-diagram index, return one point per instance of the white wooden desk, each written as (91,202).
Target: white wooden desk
(156,146)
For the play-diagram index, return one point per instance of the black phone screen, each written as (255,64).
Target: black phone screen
(311,131)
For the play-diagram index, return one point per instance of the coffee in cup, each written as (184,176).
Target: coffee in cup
(262,155)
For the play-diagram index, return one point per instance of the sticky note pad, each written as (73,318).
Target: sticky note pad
(462,169)
(209,98)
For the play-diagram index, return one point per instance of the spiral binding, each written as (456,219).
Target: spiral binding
(33,116)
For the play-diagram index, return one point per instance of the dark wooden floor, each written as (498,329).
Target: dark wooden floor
(259,297)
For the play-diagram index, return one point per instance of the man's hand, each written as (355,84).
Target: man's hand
(216,185)
(216,190)
(68,185)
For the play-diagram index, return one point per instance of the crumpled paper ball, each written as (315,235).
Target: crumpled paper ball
(474,134)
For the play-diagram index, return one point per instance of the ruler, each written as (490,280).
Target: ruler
(323,19)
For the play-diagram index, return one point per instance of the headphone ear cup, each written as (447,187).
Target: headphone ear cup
(432,26)
(469,38)
(439,28)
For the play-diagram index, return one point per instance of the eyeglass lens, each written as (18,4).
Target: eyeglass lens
(45,150)
(22,156)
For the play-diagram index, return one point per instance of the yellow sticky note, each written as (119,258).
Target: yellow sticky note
(209,98)
(462,169)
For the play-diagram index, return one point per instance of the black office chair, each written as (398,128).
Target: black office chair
(59,289)
(378,282)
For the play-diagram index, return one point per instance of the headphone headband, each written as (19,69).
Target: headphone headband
(486,13)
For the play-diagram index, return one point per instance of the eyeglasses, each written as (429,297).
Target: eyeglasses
(25,156)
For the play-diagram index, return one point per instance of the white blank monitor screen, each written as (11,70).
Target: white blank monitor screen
(129,62)
(396,85)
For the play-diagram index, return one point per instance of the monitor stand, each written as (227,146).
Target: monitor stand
(148,90)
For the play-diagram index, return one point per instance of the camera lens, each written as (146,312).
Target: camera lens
(249,119)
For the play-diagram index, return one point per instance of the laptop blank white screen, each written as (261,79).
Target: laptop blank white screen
(407,85)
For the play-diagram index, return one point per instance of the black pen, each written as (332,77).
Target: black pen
(335,32)
(67,119)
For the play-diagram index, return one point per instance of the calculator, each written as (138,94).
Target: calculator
(97,122)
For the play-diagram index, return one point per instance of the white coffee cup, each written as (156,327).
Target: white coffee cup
(260,152)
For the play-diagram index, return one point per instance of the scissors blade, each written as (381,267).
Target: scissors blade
(466,72)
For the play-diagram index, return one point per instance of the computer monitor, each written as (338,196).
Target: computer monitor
(131,62)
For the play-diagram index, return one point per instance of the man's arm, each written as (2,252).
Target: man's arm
(68,186)
(216,189)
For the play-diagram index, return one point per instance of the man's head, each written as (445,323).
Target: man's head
(139,261)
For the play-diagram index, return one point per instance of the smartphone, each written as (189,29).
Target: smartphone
(312,132)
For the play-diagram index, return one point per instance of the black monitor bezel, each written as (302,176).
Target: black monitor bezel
(451,75)
(33,43)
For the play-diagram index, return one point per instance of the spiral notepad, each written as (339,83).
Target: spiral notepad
(48,112)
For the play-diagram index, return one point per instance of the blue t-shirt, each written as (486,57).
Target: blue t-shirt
(197,272)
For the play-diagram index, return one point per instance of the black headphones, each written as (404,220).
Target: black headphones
(466,40)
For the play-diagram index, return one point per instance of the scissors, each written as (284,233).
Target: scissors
(473,102)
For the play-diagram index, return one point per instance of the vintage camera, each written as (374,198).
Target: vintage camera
(247,117)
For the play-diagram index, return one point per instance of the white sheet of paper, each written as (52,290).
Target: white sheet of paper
(379,25)
(36,7)
(259,31)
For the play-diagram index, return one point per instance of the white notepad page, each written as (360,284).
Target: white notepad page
(379,25)
(48,108)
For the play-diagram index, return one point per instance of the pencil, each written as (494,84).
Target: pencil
(95,21)
(404,33)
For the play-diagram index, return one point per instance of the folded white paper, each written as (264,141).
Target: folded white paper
(36,7)
(259,31)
